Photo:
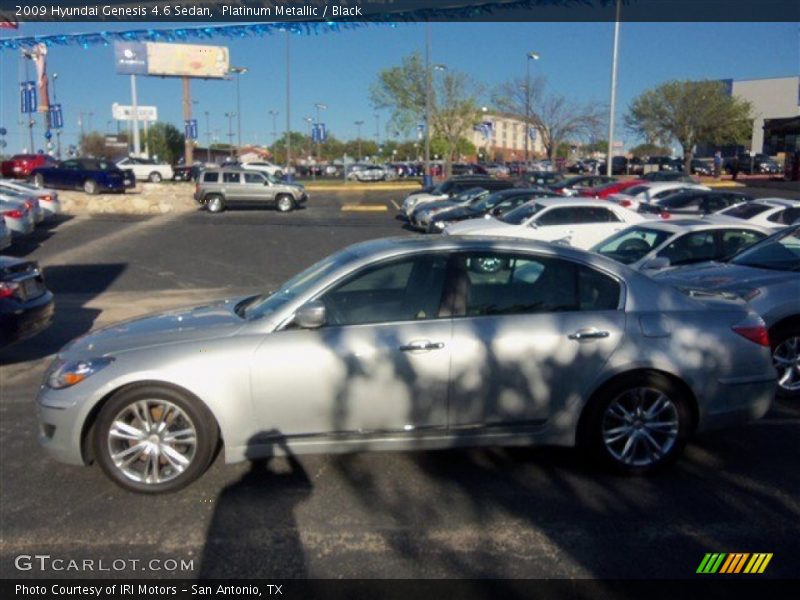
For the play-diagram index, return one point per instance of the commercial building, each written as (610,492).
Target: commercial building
(502,135)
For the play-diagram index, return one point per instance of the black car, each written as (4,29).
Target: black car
(541,178)
(186,172)
(495,205)
(659,176)
(26,305)
(694,203)
(758,163)
(619,166)
(701,167)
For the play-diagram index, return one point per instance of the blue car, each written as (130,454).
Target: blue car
(91,175)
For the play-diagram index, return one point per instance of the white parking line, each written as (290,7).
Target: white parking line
(395,204)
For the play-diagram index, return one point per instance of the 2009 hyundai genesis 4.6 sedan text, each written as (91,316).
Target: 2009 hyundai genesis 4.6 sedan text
(406,344)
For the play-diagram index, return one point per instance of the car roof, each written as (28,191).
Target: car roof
(777,202)
(705,223)
(561,201)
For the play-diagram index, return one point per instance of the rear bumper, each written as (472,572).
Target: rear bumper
(27,320)
(737,401)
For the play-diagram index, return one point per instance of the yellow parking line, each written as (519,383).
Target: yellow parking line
(364,208)
(395,204)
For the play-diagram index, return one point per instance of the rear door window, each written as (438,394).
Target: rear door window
(230,177)
(210,177)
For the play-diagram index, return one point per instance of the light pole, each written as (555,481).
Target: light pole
(58,129)
(530,56)
(230,116)
(319,106)
(309,121)
(427,179)
(238,72)
(358,125)
(613,100)
(378,128)
(274,115)
(208,136)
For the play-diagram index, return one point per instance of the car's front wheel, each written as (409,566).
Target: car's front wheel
(152,439)
(284,203)
(154,177)
(637,424)
(786,359)
(90,186)
(215,204)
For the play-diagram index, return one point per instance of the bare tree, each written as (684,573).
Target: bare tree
(556,118)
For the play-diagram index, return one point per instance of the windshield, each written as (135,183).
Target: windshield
(632,244)
(470,194)
(521,213)
(487,201)
(636,190)
(297,285)
(780,252)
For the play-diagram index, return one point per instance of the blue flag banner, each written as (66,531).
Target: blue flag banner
(56,116)
(190,129)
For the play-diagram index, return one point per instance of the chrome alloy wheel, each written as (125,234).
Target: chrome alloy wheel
(152,441)
(640,426)
(786,359)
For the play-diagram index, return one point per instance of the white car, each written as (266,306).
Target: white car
(578,223)
(48,198)
(774,213)
(264,166)
(655,245)
(145,169)
(650,192)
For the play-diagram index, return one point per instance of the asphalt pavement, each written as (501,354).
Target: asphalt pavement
(457,513)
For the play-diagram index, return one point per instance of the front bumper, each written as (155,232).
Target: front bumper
(59,431)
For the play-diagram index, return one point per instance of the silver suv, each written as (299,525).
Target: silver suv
(218,188)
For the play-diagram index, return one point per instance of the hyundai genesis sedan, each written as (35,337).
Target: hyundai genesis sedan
(412,344)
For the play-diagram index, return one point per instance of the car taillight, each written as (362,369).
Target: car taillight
(14,214)
(664,215)
(625,203)
(46,198)
(7,288)
(754,330)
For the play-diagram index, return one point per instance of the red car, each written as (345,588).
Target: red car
(20,166)
(604,191)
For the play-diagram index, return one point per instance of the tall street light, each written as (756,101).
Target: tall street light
(208,136)
(58,129)
(274,115)
(238,72)
(229,116)
(530,56)
(613,100)
(319,106)
(359,124)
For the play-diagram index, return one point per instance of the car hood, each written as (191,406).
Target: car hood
(458,212)
(721,277)
(181,325)
(437,205)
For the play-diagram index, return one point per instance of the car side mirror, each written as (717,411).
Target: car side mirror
(311,315)
(656,264)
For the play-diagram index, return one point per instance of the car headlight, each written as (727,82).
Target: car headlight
(442,224)
(66,374)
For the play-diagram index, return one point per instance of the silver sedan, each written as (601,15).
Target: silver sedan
(409,344)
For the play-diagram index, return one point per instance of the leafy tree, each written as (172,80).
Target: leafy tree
(301,147)
(453,102)
(555,118)
(600,146)
(691,112)
(93,143)
(648,149)
(165,141)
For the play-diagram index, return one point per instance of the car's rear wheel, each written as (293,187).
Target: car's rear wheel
(38,180)
(90,186)
(284,203)
(637,424)
(153,439)
(154,177)
(786,358)
(215,204)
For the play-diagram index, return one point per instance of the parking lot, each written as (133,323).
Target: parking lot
(457,513)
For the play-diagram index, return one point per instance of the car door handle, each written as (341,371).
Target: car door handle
(588,334)
(421,345)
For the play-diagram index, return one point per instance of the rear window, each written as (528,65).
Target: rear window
(209,177)
(745,211)
(785,217)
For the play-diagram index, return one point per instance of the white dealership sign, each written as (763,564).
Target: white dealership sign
(122,112)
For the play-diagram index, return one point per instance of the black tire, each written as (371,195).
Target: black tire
(207,437)
(154,177)
(786,341)
(284,203)
(597,416)
(215,203)
(90,187)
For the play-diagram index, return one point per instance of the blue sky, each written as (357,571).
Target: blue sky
(338,68)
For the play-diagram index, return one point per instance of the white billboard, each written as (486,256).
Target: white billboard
(123,112)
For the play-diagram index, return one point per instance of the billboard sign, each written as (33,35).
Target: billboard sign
(130,58)
(123,112)
(187,60)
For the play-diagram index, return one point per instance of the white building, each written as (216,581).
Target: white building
(776,98)
(506,136)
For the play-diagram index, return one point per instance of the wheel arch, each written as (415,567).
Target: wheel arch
(790,321)
(87,428)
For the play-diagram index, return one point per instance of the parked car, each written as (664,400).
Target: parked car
(377,347)
(767,276)
(30,202)
(696,203)
(218,189)
(88,174)
(26,305)
(5,235)
(584,165)
(660,244)
(467,169)
(187,172)
(756,164)
(580,223)
(604,191)
(421,216)
(635,196)
(489,205)
(448,189)
(573,185)
(665,176)
(619,166)
(372,173)
(17,216)
(546,178)
(48,199)
(767,212)
(264,166)
(702,167)
(20,166)
(146,169)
